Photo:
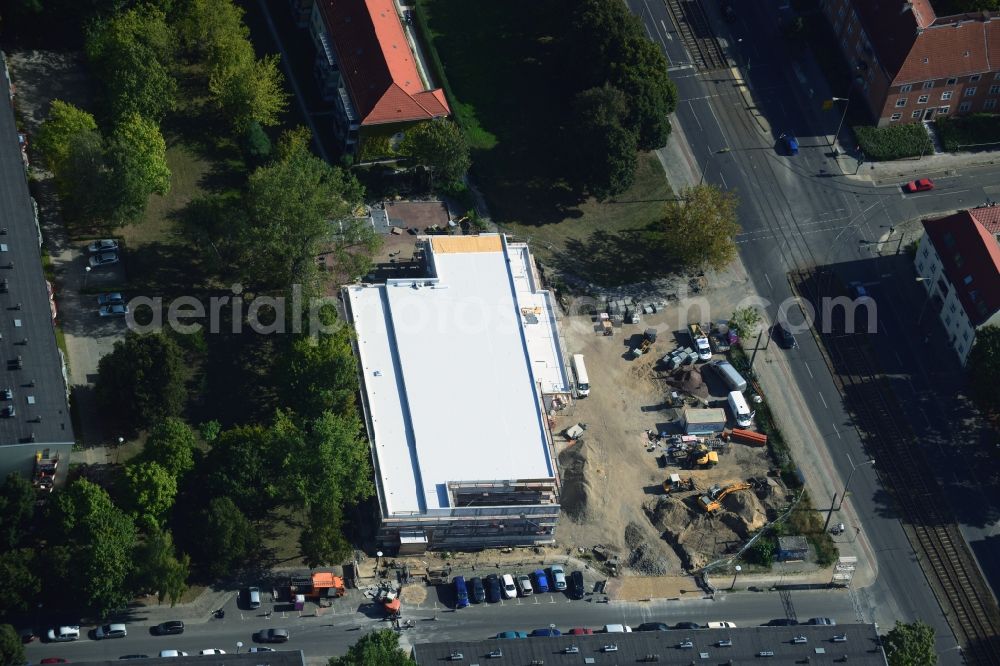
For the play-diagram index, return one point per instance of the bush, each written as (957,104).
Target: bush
(979,129)
(895,142)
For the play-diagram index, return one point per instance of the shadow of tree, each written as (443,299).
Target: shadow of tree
(613,259)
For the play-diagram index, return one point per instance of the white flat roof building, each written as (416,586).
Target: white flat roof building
(453,367)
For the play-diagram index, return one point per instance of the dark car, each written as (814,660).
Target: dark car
(53,660)
(782,622)
(784,336)
(492,584)
(549,631)
(477,593)
(652,626)
(461,592)
(789,143)
(134,656)
(687,625)
(167,628)
(575,588)
(271,636)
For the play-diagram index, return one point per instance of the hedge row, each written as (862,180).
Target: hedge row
(965,132)
(894,142)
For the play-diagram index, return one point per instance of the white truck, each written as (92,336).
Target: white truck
(700,341)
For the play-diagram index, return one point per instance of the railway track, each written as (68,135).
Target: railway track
(944,555)
(688,16)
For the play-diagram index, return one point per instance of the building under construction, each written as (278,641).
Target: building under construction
(457,371)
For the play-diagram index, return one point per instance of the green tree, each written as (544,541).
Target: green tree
(297,207)
(322,540)
(440,146)
(63,123)
(910,645)
(17,510)
(603,151)
(137,159)
(142,380)
(249,90)
(256,144)
(82,180)
(11,647)
(159,569)
(151,490)
(245,467)
(100,540)
(651,95)
(319,374)
(226,539)
(376,648)
(171,444)
(984,367)
(212,31)
(698,229)
(21,584)
(132,52)
(745,321)
(762,551)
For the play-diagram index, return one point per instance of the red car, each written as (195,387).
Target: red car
(919,185)
(53,660)
(580,632)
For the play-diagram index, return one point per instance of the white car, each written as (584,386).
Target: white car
(64,634)
(558,577)
(509,589)
(211,651)
(172,653)
(722,624)
(261,649)
(103,245)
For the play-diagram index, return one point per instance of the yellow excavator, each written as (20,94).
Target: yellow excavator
(703,457)
(712,501)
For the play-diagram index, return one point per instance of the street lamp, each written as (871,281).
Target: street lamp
(854,468)
(239,644)
(86,275)
(737,573)
(378,556)
(842,117)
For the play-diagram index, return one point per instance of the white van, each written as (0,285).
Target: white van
(582,380)
(722,624)
(616,629)
(740,409)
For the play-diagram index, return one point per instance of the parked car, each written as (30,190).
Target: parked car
(493,592)
(580,631)
(541,581)
(653,626)
(524,585)
(110,299)
(512,634)
(616,629)
(134,656)
(548,631)
(253,597)
(558,577)
(103,259)
(258,648)
(172,653)
(784,336)
(782,622)
(688,625)
(721,624)
(271,636)
(115,310)
(823,621)
(575,586)
(7,412)
(477,593)
(27,634)
(210,651)
(103,245)
(64,634)
(54,660)
(461,592)
(110,631)
(169,627)
(919,185)
(789,143)
(509,588)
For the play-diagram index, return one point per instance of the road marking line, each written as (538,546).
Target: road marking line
(837,431)
(768,281)
(824,401)
(723,179)
(809,371)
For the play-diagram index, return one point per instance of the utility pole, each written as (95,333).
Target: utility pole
(756,346)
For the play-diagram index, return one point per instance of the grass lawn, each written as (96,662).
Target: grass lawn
(506,85)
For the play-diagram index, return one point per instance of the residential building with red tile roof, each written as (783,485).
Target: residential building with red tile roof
(913,65)
(958,262)
(368,66)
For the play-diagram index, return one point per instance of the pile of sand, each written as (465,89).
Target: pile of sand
(691,382)
(646,555)
(695,537)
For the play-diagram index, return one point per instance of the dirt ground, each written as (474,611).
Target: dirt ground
(612,483)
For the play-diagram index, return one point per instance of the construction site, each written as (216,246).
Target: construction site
(656,477)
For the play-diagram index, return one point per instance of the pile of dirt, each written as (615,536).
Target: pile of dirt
(576,488)
(750,511)
(413,594)
(695,537)
(646,556)
(691,382)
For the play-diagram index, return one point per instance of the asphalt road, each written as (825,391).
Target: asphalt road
(332,634)
(799,212)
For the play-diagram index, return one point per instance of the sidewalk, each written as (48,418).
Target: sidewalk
(898,171)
